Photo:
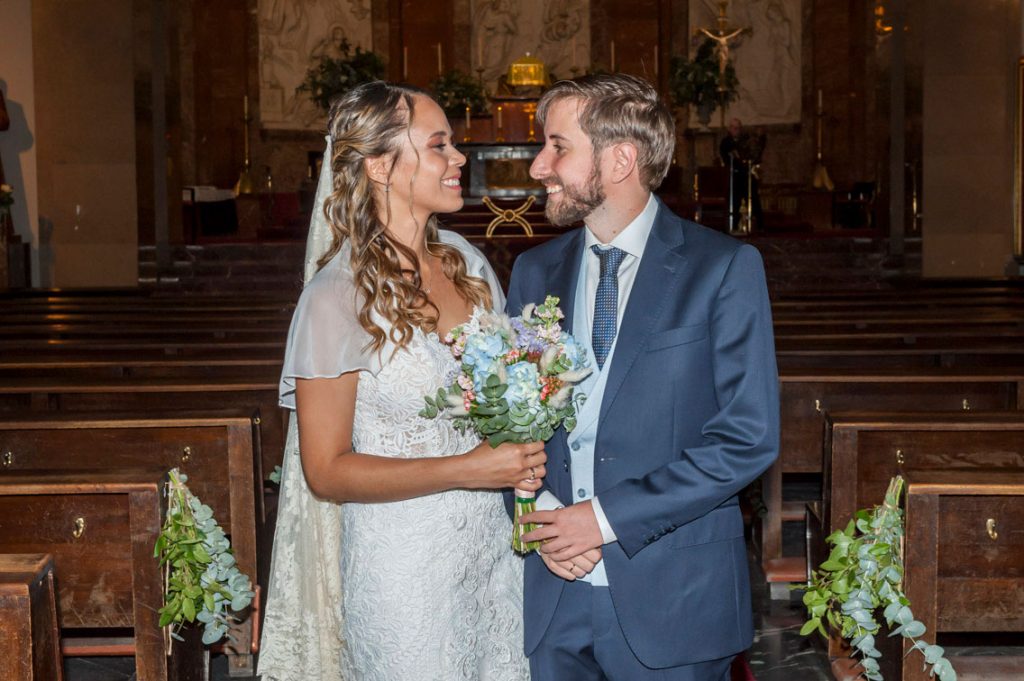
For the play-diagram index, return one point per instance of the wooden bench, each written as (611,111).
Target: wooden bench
(964,562)
(806,394)
(29,638)
(219,451)
(100,528)
(162,395)
(864,450)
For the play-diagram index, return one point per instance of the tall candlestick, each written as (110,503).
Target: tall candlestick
(245,107)
(480,49)
(820,107)
(613,56)
(405,63)
(440,67)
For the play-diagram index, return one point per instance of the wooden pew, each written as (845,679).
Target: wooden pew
(100,528)
(864,450)
(29,638)
(806,394)
(160,395)
(963,563)
(157,365)
(219,451)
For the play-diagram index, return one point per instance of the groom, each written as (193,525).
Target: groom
(643,572)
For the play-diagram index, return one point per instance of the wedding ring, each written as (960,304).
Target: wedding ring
(533,474)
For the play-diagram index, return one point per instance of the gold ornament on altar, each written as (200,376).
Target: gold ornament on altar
(527,71)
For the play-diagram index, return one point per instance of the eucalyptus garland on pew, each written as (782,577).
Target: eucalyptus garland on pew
(202,581)
(864,572)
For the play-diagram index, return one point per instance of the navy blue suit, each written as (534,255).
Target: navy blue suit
(690,416)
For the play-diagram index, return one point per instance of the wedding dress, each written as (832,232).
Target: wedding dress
(426,588)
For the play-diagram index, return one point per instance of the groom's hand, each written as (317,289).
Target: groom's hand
(567,532)
(572,569)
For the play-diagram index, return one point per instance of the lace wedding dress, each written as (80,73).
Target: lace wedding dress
(423,589)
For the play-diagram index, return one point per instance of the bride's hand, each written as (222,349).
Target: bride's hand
(507,465)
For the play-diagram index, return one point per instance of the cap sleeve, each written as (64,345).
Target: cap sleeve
(325,339)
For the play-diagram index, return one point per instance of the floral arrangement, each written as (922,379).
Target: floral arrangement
(864,572)
(456,90)
(202,580)
(515,385)
(330,76)
(700,82)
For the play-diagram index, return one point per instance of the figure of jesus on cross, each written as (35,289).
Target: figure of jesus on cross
(722,35)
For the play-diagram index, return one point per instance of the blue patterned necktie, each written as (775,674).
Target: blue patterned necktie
(606,306)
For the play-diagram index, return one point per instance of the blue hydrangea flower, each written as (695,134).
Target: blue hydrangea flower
(481,355)
(574,352)
(523,383)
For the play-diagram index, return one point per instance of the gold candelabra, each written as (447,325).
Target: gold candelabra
(244,184)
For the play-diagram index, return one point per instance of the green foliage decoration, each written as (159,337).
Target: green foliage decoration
(455,90)
(330,77)
(202,580)
(697,81)
(863,573)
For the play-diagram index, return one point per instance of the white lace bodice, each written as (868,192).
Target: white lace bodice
(432,588)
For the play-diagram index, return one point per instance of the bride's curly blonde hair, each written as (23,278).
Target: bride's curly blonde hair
(366,123)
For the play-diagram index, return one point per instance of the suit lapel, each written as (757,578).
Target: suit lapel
(561,278)
(656,282)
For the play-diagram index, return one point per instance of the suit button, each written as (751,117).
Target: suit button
(575,446)
(565,466)
(581,492)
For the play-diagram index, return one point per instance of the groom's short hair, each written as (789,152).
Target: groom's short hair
(621,108)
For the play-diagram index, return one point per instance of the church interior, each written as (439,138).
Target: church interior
(159,161)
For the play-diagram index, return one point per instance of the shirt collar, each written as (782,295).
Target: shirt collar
(632,239)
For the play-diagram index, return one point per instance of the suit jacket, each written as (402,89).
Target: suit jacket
(690,416)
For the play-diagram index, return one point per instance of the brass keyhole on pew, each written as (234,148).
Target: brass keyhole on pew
(966,405)
(817,406)
(899,457)
(990,527)
(8,459)
(256,420)
(186,454)
(79,528)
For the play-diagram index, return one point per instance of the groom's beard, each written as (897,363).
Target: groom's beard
(575,203)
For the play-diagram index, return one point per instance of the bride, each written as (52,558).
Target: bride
(412,577)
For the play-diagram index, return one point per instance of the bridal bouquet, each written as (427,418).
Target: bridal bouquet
(515,385)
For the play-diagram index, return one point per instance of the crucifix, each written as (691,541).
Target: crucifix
(722,35)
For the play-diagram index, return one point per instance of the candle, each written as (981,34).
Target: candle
(819,101)
(499,117)
(440,67)
(245,107)
(480,49)
(613,56)
(469,123)
(405,63)
(655,62)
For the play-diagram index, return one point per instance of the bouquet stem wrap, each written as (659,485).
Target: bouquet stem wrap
(526,502)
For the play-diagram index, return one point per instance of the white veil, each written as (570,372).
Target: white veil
(302,629)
